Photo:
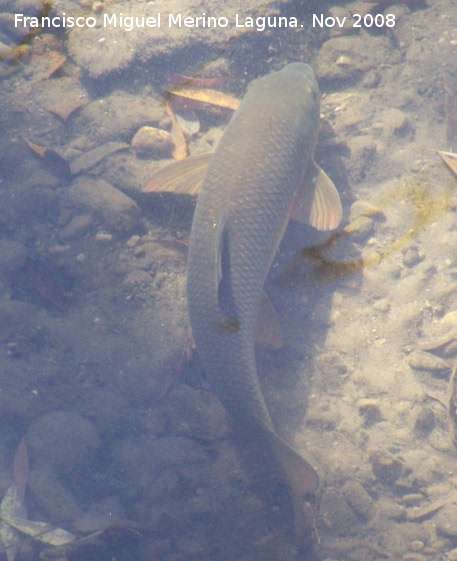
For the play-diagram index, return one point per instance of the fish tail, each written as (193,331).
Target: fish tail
(302,480)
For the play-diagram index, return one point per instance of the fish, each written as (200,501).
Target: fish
(261,175)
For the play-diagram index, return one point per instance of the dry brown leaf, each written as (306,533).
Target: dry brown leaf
(41,531)
(420,513)
(40,150)
(179,140)
(51,158)
(21,470)
(180,81)
(208,96)
(55,61)
(450,159)
(64,110)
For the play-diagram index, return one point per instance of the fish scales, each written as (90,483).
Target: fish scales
(240,218)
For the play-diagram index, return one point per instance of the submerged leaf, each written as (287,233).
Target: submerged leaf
(188,121)
(40,150)
(9,537)
(21,470)
(180,81)
(450,159)
(208,96)
(41,531)
(11,504)
(180,151)
(55,61)
(50,157)
(65,109)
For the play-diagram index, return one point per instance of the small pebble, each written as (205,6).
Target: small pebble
(58,249)
(395,123)
(369,409)
(412,257)
(421,360)
(132,241)
(381,305)
(359,500)
(386,466)
(76,228)
(425,420)
(103,237)
(343,61)
(414,557)
(416,545)
(446,521)
(412,499)
(363,208)
(150,142)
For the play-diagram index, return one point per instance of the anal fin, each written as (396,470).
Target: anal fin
(268,330)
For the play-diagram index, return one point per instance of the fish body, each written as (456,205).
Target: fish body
(247,197)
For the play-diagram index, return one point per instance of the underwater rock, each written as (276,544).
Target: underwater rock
(12,258)
(336,510)
(359,500)
(58,503)
(421,360)
(59,444)
(117,211)
(331,369)
(103,50)
(20,320)
(196,414)
(76,228)
(61,96)
(396,123)
(363,152)
(361,54)
(446,521)
(150,142)
(117,117)
(90,159)
(412,256)
(425,420)
(370,410)
(386,466)
(109,411)
(62,441)
(165,478)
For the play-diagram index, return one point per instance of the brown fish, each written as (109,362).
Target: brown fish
(261,175)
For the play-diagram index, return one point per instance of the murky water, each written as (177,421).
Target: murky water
(125,447)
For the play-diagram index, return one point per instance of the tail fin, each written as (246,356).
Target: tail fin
(303,476)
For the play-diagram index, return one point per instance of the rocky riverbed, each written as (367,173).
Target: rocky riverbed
(123,435)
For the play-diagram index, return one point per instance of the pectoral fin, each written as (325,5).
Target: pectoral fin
(317,202)
(184,176)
